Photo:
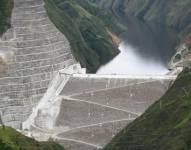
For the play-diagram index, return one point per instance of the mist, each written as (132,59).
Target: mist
(130,62)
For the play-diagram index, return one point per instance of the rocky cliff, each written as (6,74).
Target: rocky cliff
(182,57)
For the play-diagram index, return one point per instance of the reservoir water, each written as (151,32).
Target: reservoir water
(129,61)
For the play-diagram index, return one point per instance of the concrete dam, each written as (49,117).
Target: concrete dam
(46,94)
(33,51)
(89,110)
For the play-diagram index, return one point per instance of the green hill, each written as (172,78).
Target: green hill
(175,14)
(87,28)
(5,15)
(10,139)
(172,13)
(166,125)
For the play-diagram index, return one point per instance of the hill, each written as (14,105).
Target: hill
(88,29)
(171,13)
(165,23)
(10,139)
(165,125)
(5,15)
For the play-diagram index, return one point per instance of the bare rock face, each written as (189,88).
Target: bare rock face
(182,57)
(30,53)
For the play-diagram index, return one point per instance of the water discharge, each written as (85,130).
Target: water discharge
(130,62)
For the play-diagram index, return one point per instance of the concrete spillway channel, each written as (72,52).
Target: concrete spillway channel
(94,108)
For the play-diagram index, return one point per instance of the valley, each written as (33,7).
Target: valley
(95,74)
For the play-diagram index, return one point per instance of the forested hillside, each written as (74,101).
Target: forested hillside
(87,28)
(5,15)
(10,139)
(165,23)
(172,13)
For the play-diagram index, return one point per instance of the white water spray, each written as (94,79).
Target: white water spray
(129,62)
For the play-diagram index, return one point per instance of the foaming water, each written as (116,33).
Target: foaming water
(129,62)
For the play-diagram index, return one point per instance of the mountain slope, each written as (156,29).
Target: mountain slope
(10,139)
(165,23)
(165,125)
(172,13)
(87,28)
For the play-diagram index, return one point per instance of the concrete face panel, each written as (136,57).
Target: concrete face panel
(99,108)
(94,108)
(30,53)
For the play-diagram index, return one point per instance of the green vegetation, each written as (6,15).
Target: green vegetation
(179,16)
(85,26)
(5,15)
(10,139)
(175,14)
(172,13)
(166,125)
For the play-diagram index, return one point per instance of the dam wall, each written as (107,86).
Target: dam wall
(92,109)
(31,52)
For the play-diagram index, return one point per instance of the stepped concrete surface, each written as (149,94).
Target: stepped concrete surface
(94,108)
(32,51)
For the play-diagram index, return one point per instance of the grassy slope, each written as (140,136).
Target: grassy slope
(85,26)
(10,139)
(166,125)
(177,15)
(5,15)
(173,13)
